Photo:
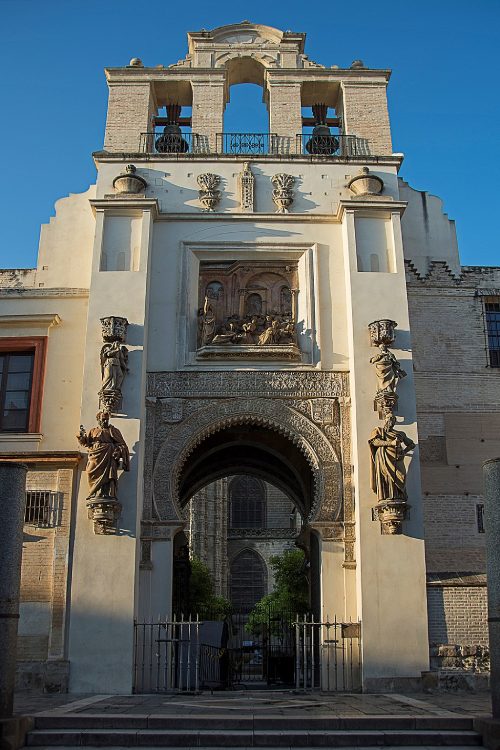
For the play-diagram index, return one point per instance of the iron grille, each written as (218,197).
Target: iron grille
(251,144)
(157,142)
(42,509)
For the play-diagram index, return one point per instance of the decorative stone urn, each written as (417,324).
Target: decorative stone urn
(391,514)
(283,191)
(129,182)
(208,193)
(366,183)
(382,332)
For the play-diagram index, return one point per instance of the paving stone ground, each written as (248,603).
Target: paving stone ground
(276,703)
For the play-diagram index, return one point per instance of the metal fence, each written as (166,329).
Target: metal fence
(175,655)
(327,655)
(254,144)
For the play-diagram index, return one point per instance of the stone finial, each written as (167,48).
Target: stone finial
(246,182)
(366,183)
(283,191)
(356,64)
(208,193)
(129,182)
(136,62)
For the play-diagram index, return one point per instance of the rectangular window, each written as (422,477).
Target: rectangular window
(42,508)
(22,362)
(492,314)
(16,371)
(480,518)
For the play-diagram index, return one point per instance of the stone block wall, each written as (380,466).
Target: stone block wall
(130,109)
(44,577)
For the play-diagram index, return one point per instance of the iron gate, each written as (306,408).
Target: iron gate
(175,655)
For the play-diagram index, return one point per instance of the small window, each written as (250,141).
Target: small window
(42,509)
(247,503)
(492,314)
(480,518)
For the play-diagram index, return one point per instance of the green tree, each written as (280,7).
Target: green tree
(202,599)
(291,590)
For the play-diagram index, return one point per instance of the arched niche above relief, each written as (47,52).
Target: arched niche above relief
(248,309)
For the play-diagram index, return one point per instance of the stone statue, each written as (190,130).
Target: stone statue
(114,361)
(388,369)
(107,452)
(388,448)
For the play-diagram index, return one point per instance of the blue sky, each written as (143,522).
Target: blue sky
(443,95)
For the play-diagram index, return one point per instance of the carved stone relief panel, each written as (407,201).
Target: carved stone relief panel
(248,309)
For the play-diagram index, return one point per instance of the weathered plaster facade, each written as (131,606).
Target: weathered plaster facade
(210,392)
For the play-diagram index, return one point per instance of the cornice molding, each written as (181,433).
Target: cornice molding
(42,320)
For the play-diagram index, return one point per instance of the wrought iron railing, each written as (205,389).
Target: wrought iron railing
(251,144)
(254,144)
(327,655)
(174,143)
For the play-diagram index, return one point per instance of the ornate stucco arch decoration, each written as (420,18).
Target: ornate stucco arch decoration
(271,414)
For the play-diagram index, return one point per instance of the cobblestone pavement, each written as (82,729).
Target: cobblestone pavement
(276,703)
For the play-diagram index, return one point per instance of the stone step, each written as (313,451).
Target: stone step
(224,722)
(177,738)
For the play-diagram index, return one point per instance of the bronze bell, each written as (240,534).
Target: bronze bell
(171,140)
(321,141)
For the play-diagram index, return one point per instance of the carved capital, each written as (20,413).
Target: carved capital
(105,514)
(114,328)
(391,514)
(382,332)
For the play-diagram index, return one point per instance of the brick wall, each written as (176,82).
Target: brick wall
(458,408)
(130,108)
(365,114)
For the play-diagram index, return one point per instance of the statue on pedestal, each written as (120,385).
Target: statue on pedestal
(107,453)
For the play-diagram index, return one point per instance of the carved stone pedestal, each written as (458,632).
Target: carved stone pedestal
(385,403)
(104,512)
(391,513)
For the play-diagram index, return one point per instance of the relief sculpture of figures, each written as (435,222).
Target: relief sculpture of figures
(388,448)
(107,453)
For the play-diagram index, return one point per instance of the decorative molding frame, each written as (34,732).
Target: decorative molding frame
(193,253)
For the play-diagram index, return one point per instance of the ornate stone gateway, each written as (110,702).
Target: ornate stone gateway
(289,427)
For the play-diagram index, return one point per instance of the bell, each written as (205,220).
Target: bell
(171,140)
(321,141)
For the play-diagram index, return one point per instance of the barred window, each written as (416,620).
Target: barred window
(248,580)
(42,508)
(492,315)
(247,503)
(480,517)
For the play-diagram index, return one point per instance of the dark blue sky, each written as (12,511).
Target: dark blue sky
(443,95)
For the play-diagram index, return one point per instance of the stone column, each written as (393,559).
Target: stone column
(491,475)
(12,503)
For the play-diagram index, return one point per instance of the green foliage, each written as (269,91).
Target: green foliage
(202,599)
(291,590)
